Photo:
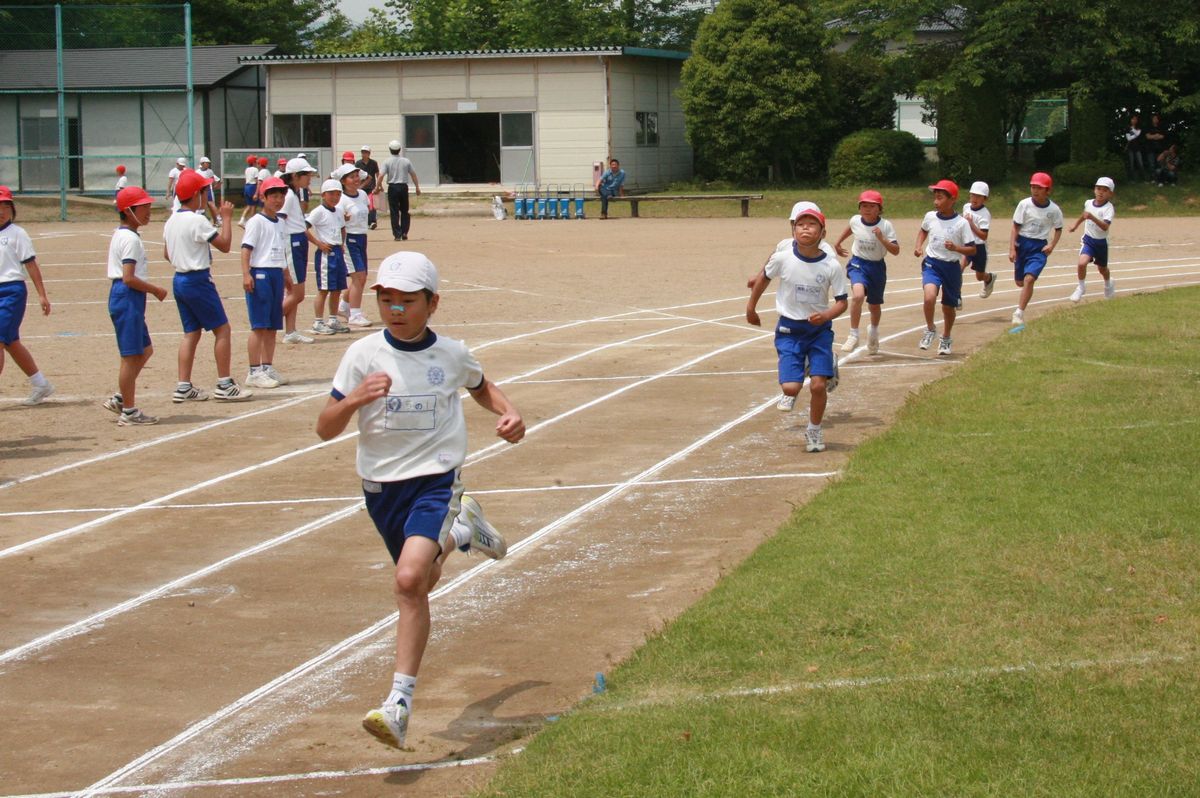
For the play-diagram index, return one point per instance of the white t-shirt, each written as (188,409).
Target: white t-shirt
(805,285)
(327,224)
(941,230)
(264,174)
(209,174)
(982,218)
(172,176)
(418,429)
(294,223)
(16,249)
(356,210)
(251,174)
(1037,222)
(866,245)
(825,246)
(267,241)
(126,245)
(122,181)
(187,235)
(1104,212)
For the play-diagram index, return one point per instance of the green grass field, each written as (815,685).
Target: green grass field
(1001,596)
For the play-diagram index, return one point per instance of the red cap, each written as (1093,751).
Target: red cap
(1041,179)
(282,162)
(870,195)
(190,181)
(5,194)
(251,159)
(347,157)
(948,186)
(272,182)
(131,197)
(262,161)
(121,170)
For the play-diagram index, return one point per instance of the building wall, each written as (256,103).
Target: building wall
(8,141)
(649,86)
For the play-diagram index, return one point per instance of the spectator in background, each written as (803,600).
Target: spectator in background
(397,172)
(612,184)
(1135,143)
(370,184)
(1156,141)
(1167,173)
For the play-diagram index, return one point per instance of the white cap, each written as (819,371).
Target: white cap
(407,271)
(1108,183)
(979,187)
(394,144)
(346,169)
(301,155)
(331,185)
(803,207)
(204,159)
(365,148)
(299,165)
(181,161)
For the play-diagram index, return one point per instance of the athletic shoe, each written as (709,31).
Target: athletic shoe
(373,225)
(189,394)
(297,337)
(1110,289)
(831,383)
(275,375)
(943,346)
(337,325)
(261,379)
(926,339)
(135,419)
(873,341)
(1077,294)
(321,328)
(814,440)
(242,224)
(988,285)
(785,403)
(231,393)
(1018,316)
(114,403)
(484,537)
(359,320)
(851,341)
(38,395)
(388,724)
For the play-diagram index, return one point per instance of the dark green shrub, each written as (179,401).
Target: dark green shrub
(1085,174)
(876,156)
(1054,150)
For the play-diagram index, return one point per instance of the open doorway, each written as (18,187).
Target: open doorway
(469,148)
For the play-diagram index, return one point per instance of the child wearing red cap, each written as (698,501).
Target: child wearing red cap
(122,181)
(250,189)
(1037,226)
(18,263)
(874,236)
(943,238)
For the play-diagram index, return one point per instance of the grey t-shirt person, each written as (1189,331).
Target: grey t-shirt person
(397,170)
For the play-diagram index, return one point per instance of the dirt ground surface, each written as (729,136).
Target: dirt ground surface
(201,607)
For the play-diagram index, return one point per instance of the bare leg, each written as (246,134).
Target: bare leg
(292,301)
(131,367)
(859,292)
(358,281)
(222,350)
(876,313)
(790,388)
(21,357)
(931,294)
(416,572)
(949,313)
(187,354)
(820,397)
(1026,292)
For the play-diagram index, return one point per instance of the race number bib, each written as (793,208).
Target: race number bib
(410,412)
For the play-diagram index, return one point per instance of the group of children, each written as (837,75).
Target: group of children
(948,243)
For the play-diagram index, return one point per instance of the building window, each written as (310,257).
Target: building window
(516,130)
(647,128)
(302,131)
(420,132)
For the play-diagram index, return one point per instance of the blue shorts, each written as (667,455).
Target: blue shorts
(13,297)
(198,302)
(299,258)
(800,344)
(944,273)
(265,303)
(250,194)
(871,274)
(330,270)
(1097,249)
(356,246)
(127,308)
(423,507)
(978,261)
(1030,259)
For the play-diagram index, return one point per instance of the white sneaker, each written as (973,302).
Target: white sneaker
(814,440)
(1110,290)
(388,724)
(261,379)
(851,342)
(785,403)
(275,375)
(38,395)
(873,341)
(988,285)
(135,419)
(484,537)
(336,324)
(1077,294)
(321,328)
(297,337)
(114,403)
(943,346)
(231,393)
(189,394)
(1018,316)
(359,320)
(926,339)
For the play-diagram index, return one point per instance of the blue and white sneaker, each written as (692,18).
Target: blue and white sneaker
(926,339)
(388,724)
(484,537)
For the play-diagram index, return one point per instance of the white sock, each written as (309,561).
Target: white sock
(39,380)
(872,329)
(460,532)
(403,686)
(1082,284)
(854,331)
(814,427)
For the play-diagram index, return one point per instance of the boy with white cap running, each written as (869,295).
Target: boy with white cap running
(18,263)
(1097,218)
(976,212)
(404,383)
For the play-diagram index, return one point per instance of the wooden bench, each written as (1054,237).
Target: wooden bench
(635,199)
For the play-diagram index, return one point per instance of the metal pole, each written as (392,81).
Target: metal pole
(187,35)
(62,114)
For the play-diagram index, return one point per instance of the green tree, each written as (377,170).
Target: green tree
(752,91)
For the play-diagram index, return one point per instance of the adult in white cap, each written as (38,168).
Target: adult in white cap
(404,384)
(172,176)
(397,171)
(1097,218)
(979,218)
(371,184)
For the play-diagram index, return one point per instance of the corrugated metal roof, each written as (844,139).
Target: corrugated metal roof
(124,68)
(534,52)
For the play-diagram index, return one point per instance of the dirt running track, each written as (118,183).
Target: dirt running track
(203,607)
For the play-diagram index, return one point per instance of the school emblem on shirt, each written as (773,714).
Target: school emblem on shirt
(436,375)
